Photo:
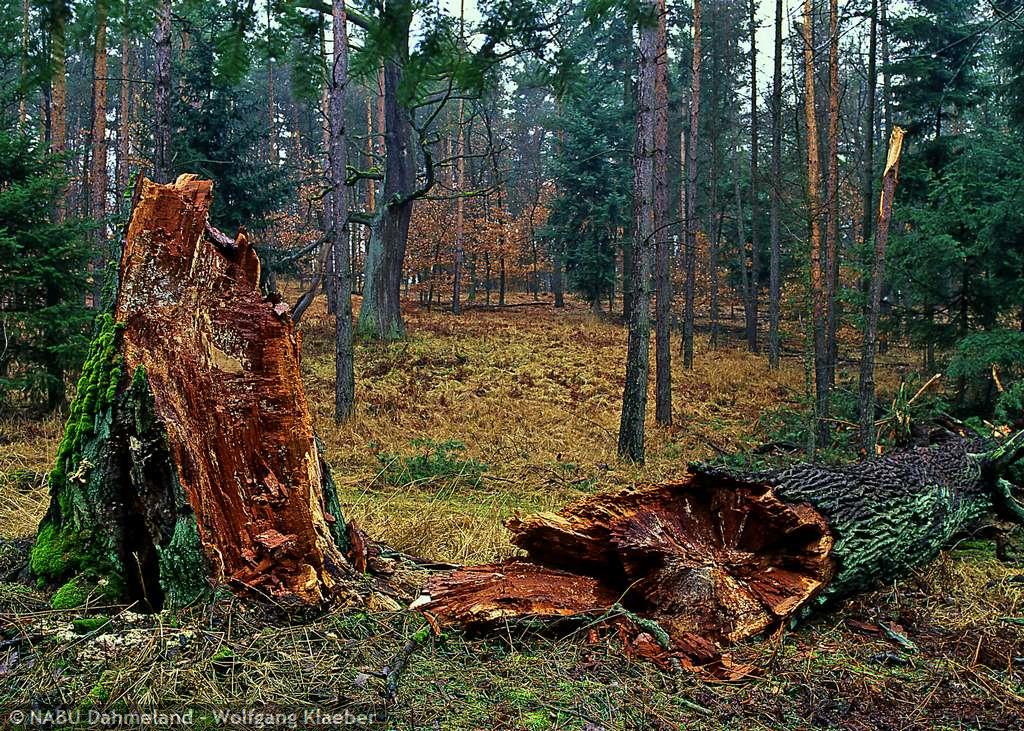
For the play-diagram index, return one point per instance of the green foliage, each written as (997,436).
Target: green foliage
(937,64)
(592,212)
(1009,409)
(976,354)
(43,321)
(433,460)
(221,134)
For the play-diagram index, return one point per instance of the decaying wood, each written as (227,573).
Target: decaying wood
(197,465)
(723,556)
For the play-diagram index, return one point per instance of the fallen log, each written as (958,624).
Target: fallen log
(721,556)
(189,460)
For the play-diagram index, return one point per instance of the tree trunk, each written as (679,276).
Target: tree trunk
(869,142)
(344,385)
(58,90)
(866,401)
(557,280)
(460,252)
(832,198)
(634,394)
(23,78)
(380,316)
(692,225)
(98,155)
(755,263)
(886,76)
(721,556)
(663,264)
(176,474)
(162,95)
(124,105)
(628,102)
(818,294)
(774,283)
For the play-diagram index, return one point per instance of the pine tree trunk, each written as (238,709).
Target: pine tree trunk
(557,280)
(344,383)
(774,283)
(23,77)
(832,198)
(722,556)
(98,155)
(866,402)
(124,105)
(663,263)
(755,184)
(189,460)
(460,181)
(814,212)
(162,95)
(634,394)
(869,141)
(692,225)
(58,89)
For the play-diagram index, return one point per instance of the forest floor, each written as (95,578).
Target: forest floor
(467,421)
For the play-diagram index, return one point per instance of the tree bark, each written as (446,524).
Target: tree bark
(692,225)
(869,141)
(23,77)
(866,400)
(189,460)
(98,155)
(814,212)
(380,316)
(832,198)
(124,104)
(344,385)
(755,273)
(634,394)
(58,90)
(663,263)
(460,253)
(722,556)
(162,95)
(774,283)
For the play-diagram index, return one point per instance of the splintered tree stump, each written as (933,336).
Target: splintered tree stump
(189,460)
(722,556)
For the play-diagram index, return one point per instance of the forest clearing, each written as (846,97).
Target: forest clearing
(843,668)
(512,364)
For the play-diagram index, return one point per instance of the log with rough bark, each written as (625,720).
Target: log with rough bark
(189,460)
(722,556)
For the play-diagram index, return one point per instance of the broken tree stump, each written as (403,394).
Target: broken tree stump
(722,556)
(189,460)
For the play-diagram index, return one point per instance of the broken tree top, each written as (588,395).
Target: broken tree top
(197,464)
(721,556)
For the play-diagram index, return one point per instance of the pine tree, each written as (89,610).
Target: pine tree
(43,321)
(221,132)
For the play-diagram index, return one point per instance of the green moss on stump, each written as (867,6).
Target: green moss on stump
(94,395)
(73,594)
(68,543)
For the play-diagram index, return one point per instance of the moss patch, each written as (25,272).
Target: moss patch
(71,595)
(95,393)
(85,625)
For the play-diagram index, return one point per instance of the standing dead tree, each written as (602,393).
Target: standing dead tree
(189,459)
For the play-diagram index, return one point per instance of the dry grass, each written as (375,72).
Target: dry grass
(534,393)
